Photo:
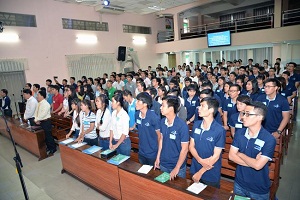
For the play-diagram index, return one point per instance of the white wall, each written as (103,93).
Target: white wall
(46,45)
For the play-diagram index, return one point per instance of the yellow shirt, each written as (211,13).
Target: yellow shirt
(42,111)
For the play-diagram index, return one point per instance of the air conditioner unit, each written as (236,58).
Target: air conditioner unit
(111,9)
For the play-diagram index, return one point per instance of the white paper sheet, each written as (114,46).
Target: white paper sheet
(145,169)
(67,141)
(74,146)
(196,187)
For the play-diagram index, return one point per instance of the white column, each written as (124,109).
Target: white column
(277,13)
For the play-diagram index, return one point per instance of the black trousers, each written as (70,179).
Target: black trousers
(8,112)
(47,127)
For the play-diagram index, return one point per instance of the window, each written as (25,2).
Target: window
(263,14)
(14,19)
(84,25)
(229,19)
(136,29)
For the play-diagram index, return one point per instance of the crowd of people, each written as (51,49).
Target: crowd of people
(251,101)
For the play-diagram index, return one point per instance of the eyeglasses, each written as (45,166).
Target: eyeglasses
(269,86)
(232,91)
(246,114)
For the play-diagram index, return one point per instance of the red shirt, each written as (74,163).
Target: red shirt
(57,100)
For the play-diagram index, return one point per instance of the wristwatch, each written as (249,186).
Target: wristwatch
(279,132)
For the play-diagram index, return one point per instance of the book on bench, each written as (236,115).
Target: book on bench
(92,149)
(107,154)
(118,159)
(164,177)
(67,141)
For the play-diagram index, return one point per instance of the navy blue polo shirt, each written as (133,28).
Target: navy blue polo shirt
(256,181)
(262,90)
(294,78)
(243,92)
(184,93)
(191,106)
(147,127)
(229,107)
(253,96)
(275,108)
(205,143)
(220,93)
(288,91)
(173,136)
(235,121)
(218,99)
(156,107)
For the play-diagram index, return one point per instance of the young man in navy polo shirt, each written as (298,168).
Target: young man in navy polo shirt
(252,148)
(229,106)
(294,77)
(278,108)
(206,144)
(174,142)
(148,125)
(191,102)
(235,121)
(290,91)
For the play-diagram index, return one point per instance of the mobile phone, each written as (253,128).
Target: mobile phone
(55,77)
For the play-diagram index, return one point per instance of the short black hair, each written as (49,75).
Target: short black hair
(259,108)
(29,85)
(278,59)
(152,91)
(236,85)
(273,80)
(27,91)
(211,103)
(4,91)
(172,101)
(126,93)
(192,87)
(37,85)
(207,84)
(49,80)
(42,93)
(73,78)
(244,99)
(129,75)
(207,92)
(287,73)
(145,98)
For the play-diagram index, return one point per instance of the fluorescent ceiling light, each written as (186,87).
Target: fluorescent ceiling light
(156,8)
(139,40)
(87,39)
(9,37)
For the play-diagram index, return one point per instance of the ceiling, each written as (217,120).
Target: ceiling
(135,6)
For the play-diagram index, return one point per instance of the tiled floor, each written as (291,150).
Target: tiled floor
(44,180)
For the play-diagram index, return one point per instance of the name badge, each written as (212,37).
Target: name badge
(283,94)
(229,105)
(238,126)
(138,121)
(218,90)
(263,90)
(265,103)
(173,137)
(197,131)
(259,142)
(193,102)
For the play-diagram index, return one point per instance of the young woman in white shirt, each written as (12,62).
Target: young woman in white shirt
(119,138)
(103,120)
(77,117)
(88,128)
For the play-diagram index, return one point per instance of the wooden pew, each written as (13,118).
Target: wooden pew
(60,126)
(92,170)
(32,141)
(131,182)
(134,137)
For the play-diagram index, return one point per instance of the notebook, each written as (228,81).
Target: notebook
(92,149)
(164,177)
(118,159)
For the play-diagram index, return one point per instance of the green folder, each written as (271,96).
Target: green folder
(107,151)
(236,197)
(164,177)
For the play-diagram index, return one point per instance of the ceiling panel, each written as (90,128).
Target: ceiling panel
(135,6)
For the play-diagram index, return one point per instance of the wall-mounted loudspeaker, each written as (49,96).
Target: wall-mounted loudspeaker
(121,53)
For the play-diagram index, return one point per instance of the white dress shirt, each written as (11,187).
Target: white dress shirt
(119,124)
(104,129)
(30,108)
(74,124)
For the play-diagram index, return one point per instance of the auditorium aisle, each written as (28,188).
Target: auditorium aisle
(44,180)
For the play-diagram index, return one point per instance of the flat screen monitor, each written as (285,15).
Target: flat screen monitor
(218,39)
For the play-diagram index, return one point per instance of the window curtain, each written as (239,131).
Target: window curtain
(91,65)
(242,54)
(260,54)
(12,78)
(135,59)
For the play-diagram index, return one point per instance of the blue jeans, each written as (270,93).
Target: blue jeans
(124,148)
(146,161)
(238,190)
(76,134)
(181,173)
(104,144)
(91,142)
